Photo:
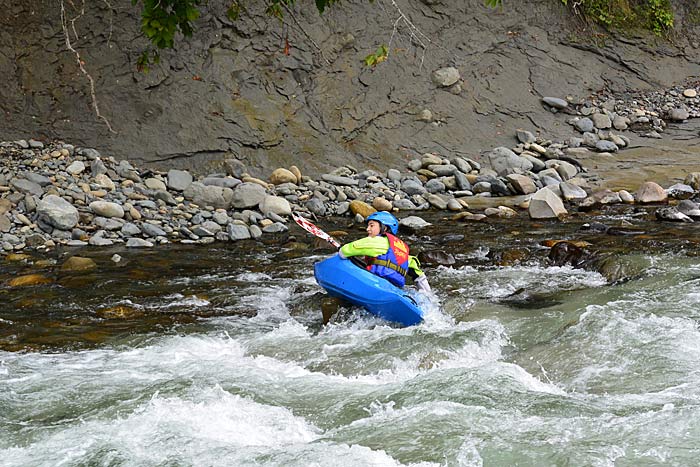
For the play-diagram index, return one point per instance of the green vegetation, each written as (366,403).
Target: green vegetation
(653,15)
(161,20)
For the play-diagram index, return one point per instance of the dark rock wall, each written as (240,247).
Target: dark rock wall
(231,91)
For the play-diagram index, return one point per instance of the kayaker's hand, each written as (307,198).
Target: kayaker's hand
(422,284)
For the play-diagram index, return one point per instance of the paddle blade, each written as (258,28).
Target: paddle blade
(313,230)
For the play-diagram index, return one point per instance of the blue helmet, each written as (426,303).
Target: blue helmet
(386,219)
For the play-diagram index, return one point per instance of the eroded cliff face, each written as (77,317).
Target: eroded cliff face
(232,91)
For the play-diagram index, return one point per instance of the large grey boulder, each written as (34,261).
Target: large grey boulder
(247,195)
(276,205)
(502,159)
(546,205)
(179,180)
(57,212)
(216,196)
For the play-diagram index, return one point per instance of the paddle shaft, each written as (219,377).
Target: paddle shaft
(313,230)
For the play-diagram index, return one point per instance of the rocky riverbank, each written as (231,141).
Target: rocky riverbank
(58,194)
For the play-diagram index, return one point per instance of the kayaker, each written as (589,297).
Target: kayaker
(385,254)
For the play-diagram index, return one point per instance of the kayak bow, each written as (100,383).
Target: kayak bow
(343,279)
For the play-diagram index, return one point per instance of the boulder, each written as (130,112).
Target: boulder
(502,159)
(246,195)
(276,205)
(107,209)
(361,208)
(281,175)
(650,192)
(546,205)
(57,212)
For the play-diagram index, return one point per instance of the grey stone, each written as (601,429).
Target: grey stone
(412,186)
(606,146)
(569,191)
(276,205)
(276,227)
(404,204)
(501,159)
(522,184)
(151,230)
(237,231)
(130,229)
(316,206)
(57,212)
(339,180)
(584,125)
(76,168)
(445,77)
(414,222)
(546,205)
(107,209)
(680,191)
(224,182)
(555,102)
(601,121)
(435,186)
(135,242)
(26,186)
(221,197)
(678,115)
(525,136)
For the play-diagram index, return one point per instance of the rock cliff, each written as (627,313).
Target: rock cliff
(236,91)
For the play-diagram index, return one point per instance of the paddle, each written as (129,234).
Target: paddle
(313,230)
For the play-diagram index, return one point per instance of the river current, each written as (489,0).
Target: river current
(217,356)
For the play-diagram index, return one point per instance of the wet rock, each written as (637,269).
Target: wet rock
(570,192)
(413,223)
(680,191)
(436,257)
(237,231)
(78,263)
(138,243)
(119,312)
(546,205)
(29,280)
(693,179)
(689,208)
(650,192)
(584,125)
(671,213)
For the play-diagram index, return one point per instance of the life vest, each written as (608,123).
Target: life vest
(392,265)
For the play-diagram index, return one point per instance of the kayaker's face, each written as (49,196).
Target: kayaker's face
(374,228)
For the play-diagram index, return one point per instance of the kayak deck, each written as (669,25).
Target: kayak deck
(343,279)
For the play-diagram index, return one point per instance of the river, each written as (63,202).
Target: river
(217,355)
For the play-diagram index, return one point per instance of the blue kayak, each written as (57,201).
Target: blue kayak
(343,279)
